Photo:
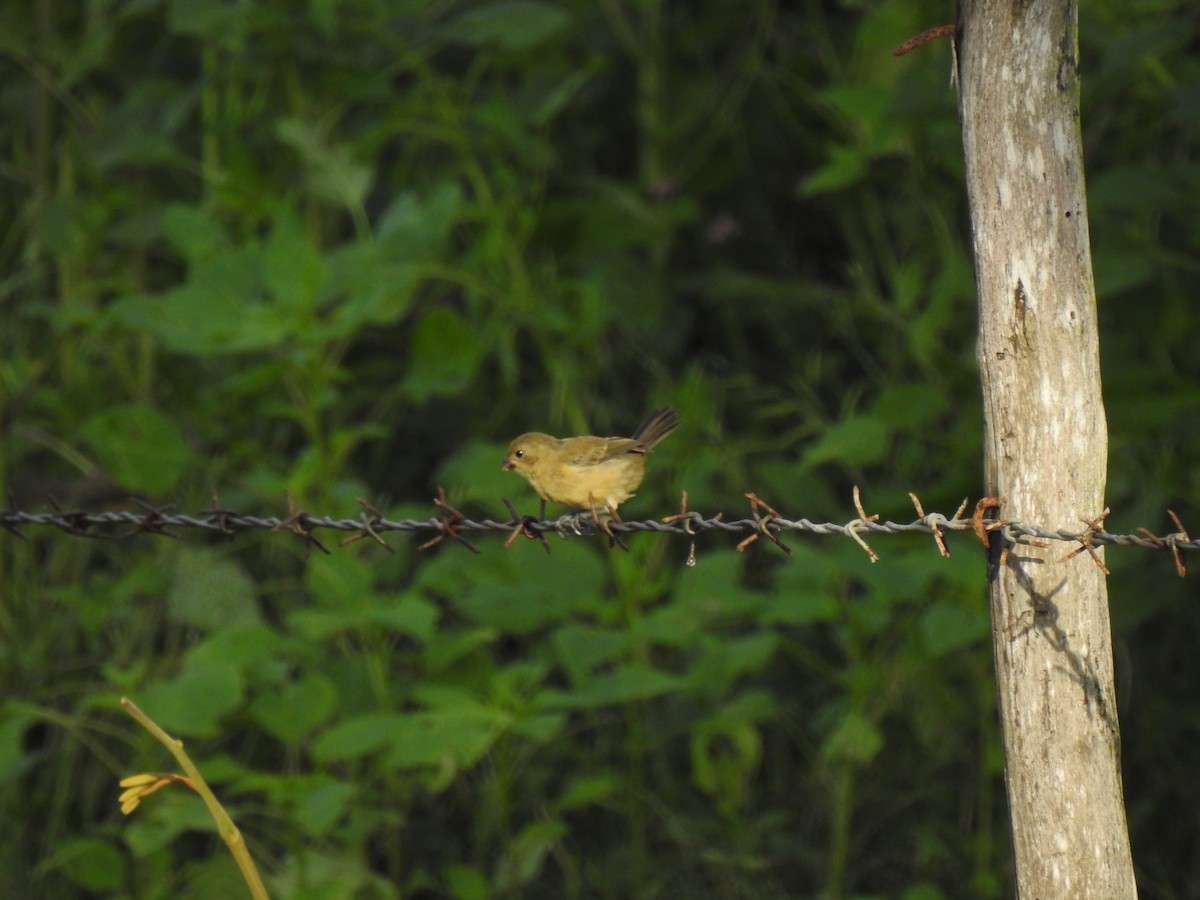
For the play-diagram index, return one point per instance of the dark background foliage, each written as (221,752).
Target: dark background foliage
(349,248)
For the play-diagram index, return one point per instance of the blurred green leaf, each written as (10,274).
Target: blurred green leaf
(723,661)
(296,708)
(540,728)
(466,883)
(511,24)
(855,739)
(444,649)
(209,591)
(625,684)
(193,232)
(412,616)
(947,628)
(846,166)
(218,310)
(586,790)
(91,863)
(142,448)
(344,581)
(359,736)
(436,738)
(523,857)
(804,591)
(581,648)
(324,804)
(331,171)
(443,355)
(906,406)
(294,272)
(418,226)
(159,822)
(511,608)
(725,752)
(855,441)
(192,703)
(243,645)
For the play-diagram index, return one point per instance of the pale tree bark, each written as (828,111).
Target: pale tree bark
(1046,443)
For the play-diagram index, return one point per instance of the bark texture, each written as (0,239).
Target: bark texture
(1046,443)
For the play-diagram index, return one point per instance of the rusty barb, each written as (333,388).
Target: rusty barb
(994,532)
(924,38)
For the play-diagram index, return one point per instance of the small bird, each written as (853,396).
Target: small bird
(589,472)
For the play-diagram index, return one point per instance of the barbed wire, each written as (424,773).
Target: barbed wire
(990,530)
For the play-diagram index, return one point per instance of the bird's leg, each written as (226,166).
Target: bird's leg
(608,508)
(595,515)
(614,539)
(605,523)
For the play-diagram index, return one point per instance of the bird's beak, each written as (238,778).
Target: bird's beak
(508,465)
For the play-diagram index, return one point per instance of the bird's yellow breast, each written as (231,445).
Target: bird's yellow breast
(605,484)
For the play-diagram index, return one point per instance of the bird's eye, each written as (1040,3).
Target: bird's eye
(519,454)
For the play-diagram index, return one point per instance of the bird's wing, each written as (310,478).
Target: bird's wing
(592,451)
(614,447)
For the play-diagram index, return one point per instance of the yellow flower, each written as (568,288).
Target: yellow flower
(139,786)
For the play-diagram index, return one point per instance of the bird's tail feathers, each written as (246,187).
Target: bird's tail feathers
(656,426)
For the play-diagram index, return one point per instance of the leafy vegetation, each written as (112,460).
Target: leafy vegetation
(348,249)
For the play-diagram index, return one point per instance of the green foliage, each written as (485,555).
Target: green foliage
(349,249)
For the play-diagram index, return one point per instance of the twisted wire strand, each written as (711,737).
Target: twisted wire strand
(100,525)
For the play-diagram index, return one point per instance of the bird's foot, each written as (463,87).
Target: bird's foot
(578,524)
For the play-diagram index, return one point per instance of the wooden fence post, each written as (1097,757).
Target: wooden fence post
(1046,443)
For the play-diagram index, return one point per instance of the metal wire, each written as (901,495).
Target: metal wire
(451,524)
